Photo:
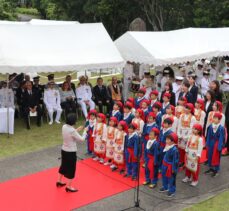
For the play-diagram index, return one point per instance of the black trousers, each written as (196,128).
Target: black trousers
(26,112)
(69,106)
(103,103)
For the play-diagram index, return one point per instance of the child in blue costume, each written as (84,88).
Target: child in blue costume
(127,113)
(140,97)
(116,112)
(144,105)
(214,143)
(132,149)
(152,162)
(166,102)
(146,131)
(88,131)
(157,110)
(170,165)
(165,131)
(153,99)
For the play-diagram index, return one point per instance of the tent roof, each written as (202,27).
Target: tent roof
(178,46)
(51,48)
(52,22)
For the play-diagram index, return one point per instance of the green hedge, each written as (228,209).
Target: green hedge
(27,11)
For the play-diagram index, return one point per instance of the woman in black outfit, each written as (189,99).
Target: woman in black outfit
(215,86)
(193,89)
(169,89)
(69,153)
(209,101)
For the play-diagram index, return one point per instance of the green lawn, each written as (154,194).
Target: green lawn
(37,138)
(217,203)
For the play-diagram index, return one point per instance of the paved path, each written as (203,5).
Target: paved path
(150,199)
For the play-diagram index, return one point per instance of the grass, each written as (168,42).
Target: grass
(217,203)
(24,141)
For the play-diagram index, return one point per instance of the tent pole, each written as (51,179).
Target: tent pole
(7,118)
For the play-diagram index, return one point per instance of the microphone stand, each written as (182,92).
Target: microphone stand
(136,189)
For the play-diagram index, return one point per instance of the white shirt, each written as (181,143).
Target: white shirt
(70,137)
(83,93)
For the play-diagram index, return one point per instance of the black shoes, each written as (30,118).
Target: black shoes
(59,184)
(70,190)
(209,171)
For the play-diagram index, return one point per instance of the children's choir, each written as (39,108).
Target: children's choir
(163,137)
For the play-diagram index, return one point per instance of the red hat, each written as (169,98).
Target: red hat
(141,113)
(156,131)
(142,90)
(154,92)
(198,127)
(168,95)
(190,107)
(219,106)
(92,112)
(102,116)
(201,102)
(168,120)
(157,104)
(217,115)
(135,125)
(172,108)
(124,125)
(128,105)
(119,104)
(144,101)
(114,119)
(131,99)
(183,99)
(151,114)
(173,137)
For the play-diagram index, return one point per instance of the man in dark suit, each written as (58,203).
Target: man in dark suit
(38,87)
(101,96)
(185,92)
(30,104)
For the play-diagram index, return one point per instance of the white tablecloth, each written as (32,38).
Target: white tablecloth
(3,120)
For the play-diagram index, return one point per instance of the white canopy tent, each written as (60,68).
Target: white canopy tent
(52,22)
(171,47)
(51,48)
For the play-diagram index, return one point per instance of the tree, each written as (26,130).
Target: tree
(168,14)
(7,10)
(211,13)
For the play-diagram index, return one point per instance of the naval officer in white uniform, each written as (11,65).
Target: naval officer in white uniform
(52,102)
(84,95)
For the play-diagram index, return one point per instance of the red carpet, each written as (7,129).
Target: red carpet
(37,192)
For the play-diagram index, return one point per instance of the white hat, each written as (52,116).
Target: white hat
(226,61)
(179,78)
